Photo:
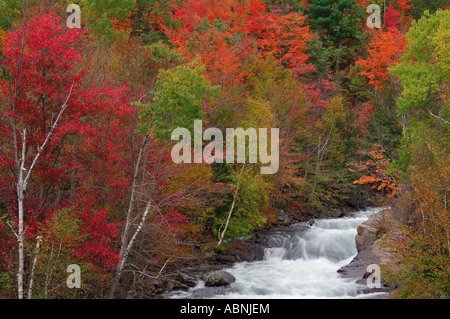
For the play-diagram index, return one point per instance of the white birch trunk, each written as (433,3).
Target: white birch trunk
(222,234)
(126,230)
(22,187)
(127,250)
(30,288)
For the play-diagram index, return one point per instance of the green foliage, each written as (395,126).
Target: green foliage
(178,97)
(295,4)
(339,19)
(358,84)
(102,14)
(320,55)
(339,24)
(163,54)
(252,200)
(419,72)
(420,6)
(61,237)
(9,12)
(385,128)
(424,159)
(146,17)
(335,119)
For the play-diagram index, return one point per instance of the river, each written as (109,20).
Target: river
(300,263)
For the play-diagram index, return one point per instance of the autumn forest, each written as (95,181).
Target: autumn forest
(87,176)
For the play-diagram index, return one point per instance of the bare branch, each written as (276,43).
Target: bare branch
(50,133)
(10,226)
(439,118)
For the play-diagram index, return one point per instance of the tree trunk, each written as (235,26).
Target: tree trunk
(30,288)
(222,235)
(22,181)
(20,237)
(123,254)
(126,251)
(21,187)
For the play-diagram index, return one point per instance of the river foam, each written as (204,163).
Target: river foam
(301,264)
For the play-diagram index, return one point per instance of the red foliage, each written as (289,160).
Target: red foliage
(227,33)
(86,150)
(391,18)
(99,233)
(403,7)
(364,113)
(174,219)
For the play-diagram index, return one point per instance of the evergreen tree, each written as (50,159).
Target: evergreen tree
(339,23)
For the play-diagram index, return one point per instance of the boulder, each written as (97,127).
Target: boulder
(220,278)
(367,235)
(186,279)
(369,231)
(283,219)
(372,243)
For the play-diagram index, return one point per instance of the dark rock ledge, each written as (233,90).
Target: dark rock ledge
(371,251)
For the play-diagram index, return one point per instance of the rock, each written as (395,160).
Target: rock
(247,250)
(283,219)
(186,279)
(369,231)
(367,235)
(225,259)
(220,278)
(371,250)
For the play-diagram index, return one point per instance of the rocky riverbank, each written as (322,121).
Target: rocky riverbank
(243,250)
(371,241)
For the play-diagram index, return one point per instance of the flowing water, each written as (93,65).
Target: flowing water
(300,263)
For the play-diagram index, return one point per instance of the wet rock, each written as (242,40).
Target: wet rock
(283,219)
(186,279)
(175,285)
(220,278)
(371,250)
(225,259)
(247,251)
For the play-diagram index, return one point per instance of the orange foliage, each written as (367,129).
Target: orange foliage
(225,34)
(403,7)
(364,3)
(385,50)
(377,168)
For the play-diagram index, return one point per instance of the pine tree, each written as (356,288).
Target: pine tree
(339,23)
(338,19)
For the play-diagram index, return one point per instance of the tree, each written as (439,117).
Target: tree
(339,23)
(391,20)
(379,171)
(180,92)
(420,72)
(424,159)
(109,18)
(385,49)
(178,100)
(52,122)
(420,6)
(227,34)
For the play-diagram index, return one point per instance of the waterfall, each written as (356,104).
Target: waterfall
(302,263)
